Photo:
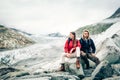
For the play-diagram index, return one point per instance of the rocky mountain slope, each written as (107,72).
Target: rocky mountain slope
(10,39)
(116,14)
(57,34)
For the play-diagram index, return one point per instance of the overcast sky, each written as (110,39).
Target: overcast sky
(46,16)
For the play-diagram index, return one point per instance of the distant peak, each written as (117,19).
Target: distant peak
(117,11)
(116,14)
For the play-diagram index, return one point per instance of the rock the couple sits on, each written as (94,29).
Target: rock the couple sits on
(83,48)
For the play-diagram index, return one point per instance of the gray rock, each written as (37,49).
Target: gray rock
(71,68)
(49,76)
(110,49)
(102,71)
(4,71)
(116,69)
(113,78)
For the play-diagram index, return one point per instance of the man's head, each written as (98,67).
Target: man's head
(85,34)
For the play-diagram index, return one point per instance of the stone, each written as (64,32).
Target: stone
(102,71)
(4,71)
(113,78)
(49,76)
(70,67)
(116,69)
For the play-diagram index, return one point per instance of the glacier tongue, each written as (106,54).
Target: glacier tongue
(34,56)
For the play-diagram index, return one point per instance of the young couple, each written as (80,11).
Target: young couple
(84,48)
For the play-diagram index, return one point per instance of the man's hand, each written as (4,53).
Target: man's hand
(93,54)
(82,53)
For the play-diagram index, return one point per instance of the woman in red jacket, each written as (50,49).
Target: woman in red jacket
(72,50)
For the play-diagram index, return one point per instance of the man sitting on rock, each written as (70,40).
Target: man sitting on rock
(88,49)
(71,50)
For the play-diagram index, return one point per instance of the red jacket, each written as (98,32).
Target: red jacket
(69,46)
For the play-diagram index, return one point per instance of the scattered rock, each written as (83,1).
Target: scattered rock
(4,71)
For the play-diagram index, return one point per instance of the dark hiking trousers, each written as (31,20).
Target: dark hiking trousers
(92,58)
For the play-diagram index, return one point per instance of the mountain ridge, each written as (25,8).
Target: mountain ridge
(116,14)
(11,39)
(101,26)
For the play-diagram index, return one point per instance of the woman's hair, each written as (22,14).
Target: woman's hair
(74,42)
(85,31)
(73,33)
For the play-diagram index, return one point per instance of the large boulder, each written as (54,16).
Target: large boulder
(103,70)
(110,49)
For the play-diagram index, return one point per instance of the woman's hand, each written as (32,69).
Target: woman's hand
(93,54)
(68,55)
(72,50)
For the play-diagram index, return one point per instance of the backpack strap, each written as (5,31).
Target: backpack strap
(69,41)
(89,42)
(81,40)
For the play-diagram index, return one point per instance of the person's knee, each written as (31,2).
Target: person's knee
(77,48)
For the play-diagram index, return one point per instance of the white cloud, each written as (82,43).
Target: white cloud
(44,16)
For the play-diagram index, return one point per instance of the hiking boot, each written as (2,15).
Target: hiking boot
(62,68)
(77,64)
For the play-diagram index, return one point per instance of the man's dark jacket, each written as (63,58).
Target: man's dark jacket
(87,46)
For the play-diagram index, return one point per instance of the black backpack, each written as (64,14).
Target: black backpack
(69,39)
